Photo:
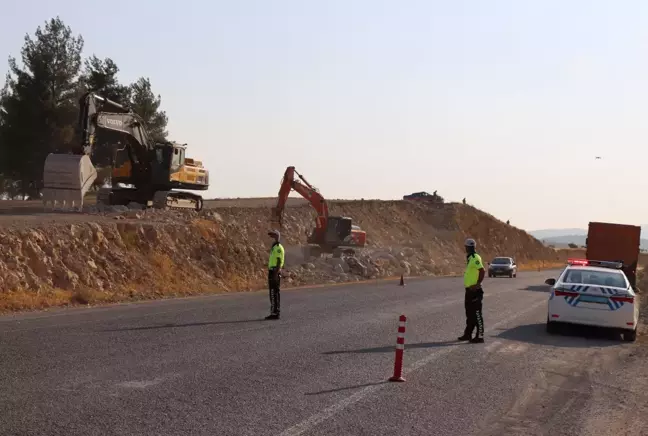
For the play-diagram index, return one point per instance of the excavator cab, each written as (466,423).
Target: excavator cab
(339,228)
(168,160)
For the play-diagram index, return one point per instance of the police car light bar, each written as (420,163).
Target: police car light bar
(599,263)
(581,262)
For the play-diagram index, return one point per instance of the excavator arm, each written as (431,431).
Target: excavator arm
(97,113)
(68,177)
(306,190)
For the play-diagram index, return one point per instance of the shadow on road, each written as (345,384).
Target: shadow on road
(570,336)
(390,348)
(537,288)
(192,324)
(346,388)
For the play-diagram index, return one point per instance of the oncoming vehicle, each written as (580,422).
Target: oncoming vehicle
(594,293)
(502,266)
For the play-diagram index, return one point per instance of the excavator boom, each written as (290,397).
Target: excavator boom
(68,177)
(306,190)
(154,169)
(330,231)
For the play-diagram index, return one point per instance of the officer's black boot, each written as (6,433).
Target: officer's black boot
(466,336)
(273,305)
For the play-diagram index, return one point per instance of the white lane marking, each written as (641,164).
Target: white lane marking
(331,411)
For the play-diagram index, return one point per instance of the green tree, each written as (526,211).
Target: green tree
(147,105)
(39,103)
(100,76)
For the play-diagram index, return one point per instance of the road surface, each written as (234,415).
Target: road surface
(212,366)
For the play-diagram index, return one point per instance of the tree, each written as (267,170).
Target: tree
(147,105)
(39,103)
(100,76)
(572,245)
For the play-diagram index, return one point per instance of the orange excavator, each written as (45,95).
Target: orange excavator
(330,232)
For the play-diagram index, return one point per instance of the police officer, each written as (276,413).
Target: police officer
(473,277)
(275,263)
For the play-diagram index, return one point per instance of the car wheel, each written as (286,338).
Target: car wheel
(630,336)
(552,327)
(510,275)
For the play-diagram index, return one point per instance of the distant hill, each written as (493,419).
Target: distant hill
(553,233)
(561,238)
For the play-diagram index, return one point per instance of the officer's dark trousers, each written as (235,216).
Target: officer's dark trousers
(274,284)
(474,317)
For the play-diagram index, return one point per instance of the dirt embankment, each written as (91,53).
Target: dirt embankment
(131,255)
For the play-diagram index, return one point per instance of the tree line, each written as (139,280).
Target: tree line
(39,105)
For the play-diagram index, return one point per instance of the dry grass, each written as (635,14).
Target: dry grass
(29,300)
(539,265)
(87,296)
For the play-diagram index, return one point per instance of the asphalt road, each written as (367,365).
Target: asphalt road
(212,366)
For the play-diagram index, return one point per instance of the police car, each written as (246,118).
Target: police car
(594,293)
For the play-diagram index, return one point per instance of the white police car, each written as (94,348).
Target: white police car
(595,293)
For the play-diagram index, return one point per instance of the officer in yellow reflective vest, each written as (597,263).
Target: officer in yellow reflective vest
(473,277)
(275,263)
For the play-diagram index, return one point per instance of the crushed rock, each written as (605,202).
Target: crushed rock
(148,253)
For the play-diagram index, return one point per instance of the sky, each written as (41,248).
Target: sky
(505,103)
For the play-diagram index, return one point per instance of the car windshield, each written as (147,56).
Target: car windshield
(600,278)
(501,261)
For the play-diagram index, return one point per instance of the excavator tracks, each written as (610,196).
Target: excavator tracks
(170,200)
(177,201)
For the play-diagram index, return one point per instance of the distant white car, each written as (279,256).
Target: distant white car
(594,293)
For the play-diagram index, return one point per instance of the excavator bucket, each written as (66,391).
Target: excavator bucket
(66,179)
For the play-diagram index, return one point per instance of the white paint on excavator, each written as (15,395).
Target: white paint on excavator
(66,180)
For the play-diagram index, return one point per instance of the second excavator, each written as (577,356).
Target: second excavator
(148,171)
(330,232)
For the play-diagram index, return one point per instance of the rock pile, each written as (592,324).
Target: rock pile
(154,253)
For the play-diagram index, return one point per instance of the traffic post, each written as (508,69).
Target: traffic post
(400,348)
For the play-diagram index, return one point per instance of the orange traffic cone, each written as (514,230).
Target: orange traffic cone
(402,281)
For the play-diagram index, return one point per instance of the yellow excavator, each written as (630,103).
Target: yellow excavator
(149,172)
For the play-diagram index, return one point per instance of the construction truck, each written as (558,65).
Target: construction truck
(330,232)
(143,171)
(615,243)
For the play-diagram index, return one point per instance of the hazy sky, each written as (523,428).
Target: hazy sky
(505,103)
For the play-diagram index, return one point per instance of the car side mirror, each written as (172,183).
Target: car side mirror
(550,282)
